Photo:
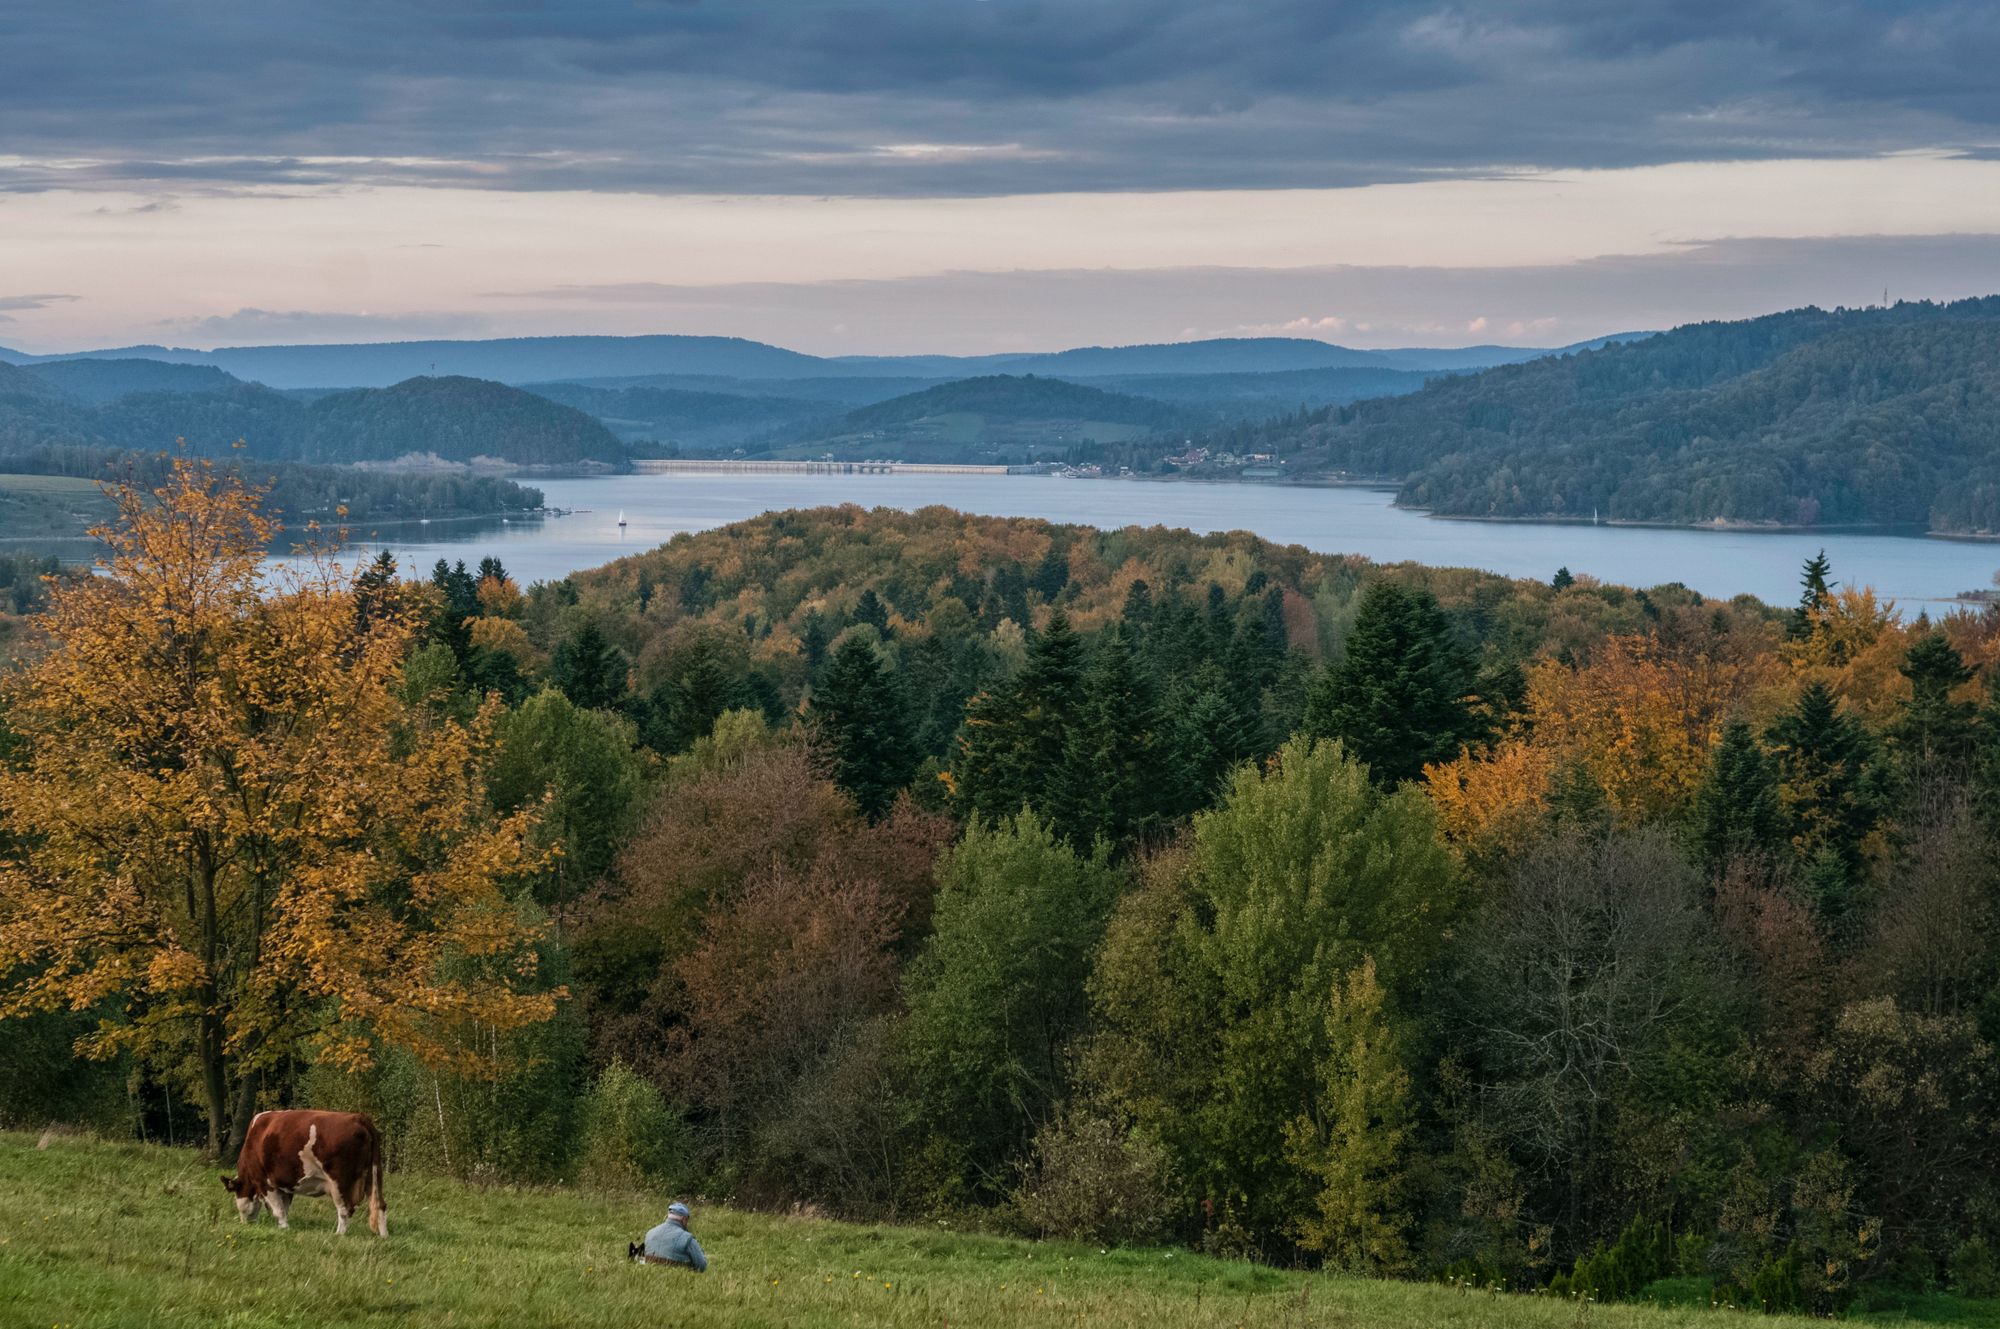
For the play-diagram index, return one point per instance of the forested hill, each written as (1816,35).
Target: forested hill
(1016,397)
(456,419)
(1876,416)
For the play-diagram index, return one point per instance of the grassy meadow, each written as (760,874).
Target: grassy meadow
(128,1235)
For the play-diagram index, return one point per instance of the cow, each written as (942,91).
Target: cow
(336,1154)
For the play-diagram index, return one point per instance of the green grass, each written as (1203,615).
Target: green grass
(116,1235)
(35,507)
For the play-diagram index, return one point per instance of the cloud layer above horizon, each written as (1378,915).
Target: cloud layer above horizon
(316,142)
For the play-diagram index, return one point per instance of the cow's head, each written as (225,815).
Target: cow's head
(245,1196)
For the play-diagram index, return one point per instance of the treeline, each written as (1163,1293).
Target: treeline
(297,492)
(123,404)
(1873,416)
(1142,886)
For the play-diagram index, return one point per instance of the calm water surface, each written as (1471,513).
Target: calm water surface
(1351,521)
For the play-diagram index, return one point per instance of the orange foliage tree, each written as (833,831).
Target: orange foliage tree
(226,832)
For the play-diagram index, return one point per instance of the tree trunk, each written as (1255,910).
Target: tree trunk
(208,1043)
(209,1035)
(246,1108)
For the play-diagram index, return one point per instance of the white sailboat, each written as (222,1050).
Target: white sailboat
(621,519)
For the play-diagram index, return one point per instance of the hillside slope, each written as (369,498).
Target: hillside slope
(1879,416)
(128,1234)
(458,419)
(1000,418)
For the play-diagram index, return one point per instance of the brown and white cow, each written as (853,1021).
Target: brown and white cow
(336,1154)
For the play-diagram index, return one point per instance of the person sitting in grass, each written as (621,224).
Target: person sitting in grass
(672,1243)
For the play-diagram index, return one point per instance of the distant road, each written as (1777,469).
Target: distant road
(686,466)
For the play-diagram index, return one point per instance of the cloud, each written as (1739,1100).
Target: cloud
(19,302)
(951,98)
(1380,306)
(300,325)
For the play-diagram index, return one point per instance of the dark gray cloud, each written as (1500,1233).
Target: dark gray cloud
(831,96)
(1362,306)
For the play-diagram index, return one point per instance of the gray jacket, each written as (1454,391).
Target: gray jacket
(671,1241)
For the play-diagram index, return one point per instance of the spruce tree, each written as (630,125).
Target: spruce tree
(1814,594)
(1563,579)
(1934,732)
(1824,759)
(1138,610)
(1399,698)
(1051,574)
(869,609)
(1015,738)
(589,670)
(1109,788)
(1736,811)
(863,721)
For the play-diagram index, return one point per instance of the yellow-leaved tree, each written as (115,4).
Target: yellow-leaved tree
(228,833)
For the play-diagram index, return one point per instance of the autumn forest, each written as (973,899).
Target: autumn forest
(1123,885)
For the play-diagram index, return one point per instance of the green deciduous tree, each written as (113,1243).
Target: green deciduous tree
(1356,1140)
(1212,987)
(999,991)
(582,762)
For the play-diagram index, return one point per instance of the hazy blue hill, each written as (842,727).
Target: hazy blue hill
(1260,396)
(1872,416)
(455,418)
(1003,419)
(1016,397)
(684,416)
(459,419)
(269,423)
(101,380)
(521,360)
(509,360)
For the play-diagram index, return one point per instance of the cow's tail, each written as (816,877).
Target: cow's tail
(378,1204)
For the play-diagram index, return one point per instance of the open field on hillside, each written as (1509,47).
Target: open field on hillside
(37,506)
(115,1235)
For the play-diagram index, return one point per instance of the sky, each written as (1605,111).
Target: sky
(984,175)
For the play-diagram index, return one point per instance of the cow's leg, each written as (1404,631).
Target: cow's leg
(279,1202)
(342,1210)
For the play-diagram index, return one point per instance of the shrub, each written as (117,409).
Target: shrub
(629,1137)
(1092,1179)
(1642,1254)
(1973,1270)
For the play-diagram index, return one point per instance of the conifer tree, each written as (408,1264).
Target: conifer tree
(1815,591)
(1830,795)
(589,670)
(1137,614)
(1014,741)
(1051,574)
(1111,776)
(1736,810)
(1934,732)
(1399,698)
(861,715)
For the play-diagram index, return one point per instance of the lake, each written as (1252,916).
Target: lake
(1352,521)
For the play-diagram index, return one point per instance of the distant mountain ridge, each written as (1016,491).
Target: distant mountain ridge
(518,360)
